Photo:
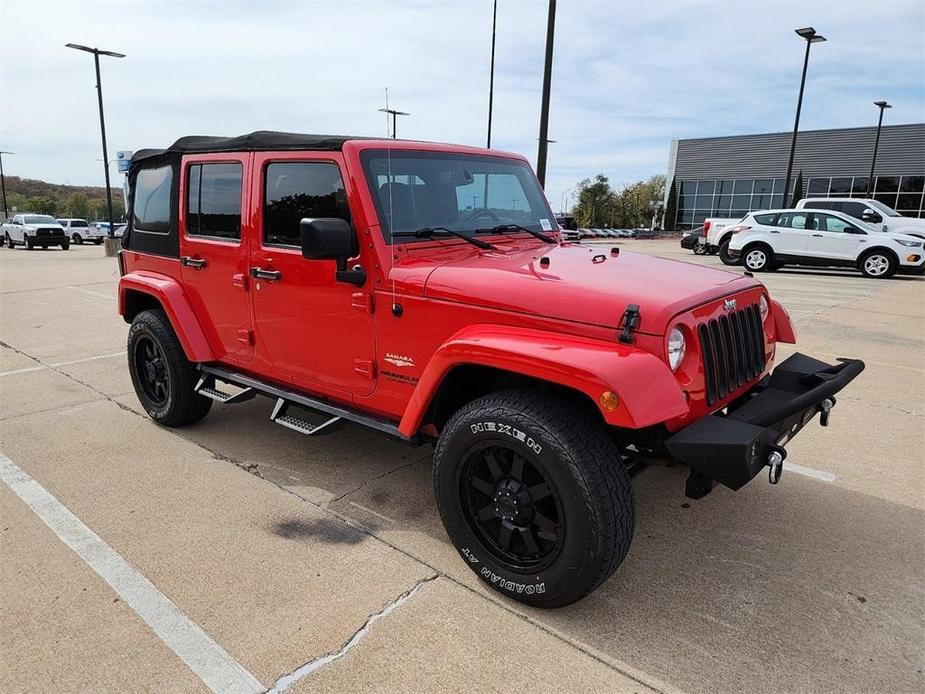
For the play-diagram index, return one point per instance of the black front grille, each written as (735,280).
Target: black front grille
(49,232)
(732,347)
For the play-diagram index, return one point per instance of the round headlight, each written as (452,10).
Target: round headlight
(675,348)
(763,307)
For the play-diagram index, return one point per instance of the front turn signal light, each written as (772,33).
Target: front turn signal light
(913,258)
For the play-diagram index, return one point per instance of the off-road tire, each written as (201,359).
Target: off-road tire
(182,405)
(564,441)
(724,254)
(884,269)
(758,257)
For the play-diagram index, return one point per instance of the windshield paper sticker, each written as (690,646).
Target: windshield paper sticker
(546,226)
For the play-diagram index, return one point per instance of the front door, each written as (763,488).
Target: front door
(213,256)
(828,238)
(316,331)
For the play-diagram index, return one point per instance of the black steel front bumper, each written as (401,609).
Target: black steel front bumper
(734,446)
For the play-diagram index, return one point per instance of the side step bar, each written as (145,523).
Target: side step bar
(285,398)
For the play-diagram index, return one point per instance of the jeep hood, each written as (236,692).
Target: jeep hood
(582,284)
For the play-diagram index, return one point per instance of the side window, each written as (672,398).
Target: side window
(821,204)
(213,200)
(830,222)
(152,200)
(855,209)
(766,219)
(792,220)
(296,190)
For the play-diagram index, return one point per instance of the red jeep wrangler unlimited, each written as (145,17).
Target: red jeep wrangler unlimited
(423,290)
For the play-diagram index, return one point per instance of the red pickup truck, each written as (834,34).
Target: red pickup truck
(423,290)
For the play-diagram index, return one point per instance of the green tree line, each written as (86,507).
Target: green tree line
(599,205)
(85,202)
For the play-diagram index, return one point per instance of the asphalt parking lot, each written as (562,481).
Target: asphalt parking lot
(269,559)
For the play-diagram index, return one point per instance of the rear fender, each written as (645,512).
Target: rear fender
(647,390)
(169,293)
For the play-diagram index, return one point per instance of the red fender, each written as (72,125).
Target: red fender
(783,327)
(647,389)
(170,295)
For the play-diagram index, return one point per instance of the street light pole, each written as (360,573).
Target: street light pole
(491,77)
(811,37)
(99,93)
(873,161)
(3,184)
(392,112)
(547,83)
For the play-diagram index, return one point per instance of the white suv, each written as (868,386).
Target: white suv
(80,230)
(769,239)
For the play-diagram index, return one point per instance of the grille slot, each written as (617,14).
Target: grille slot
(732,348)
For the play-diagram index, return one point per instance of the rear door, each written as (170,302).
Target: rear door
(828,238)
(317,331)
(789,234)
(213,251)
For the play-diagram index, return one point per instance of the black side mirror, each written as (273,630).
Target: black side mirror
(332,238)
(871,216)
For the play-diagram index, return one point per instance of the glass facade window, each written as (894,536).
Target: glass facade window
(735,198)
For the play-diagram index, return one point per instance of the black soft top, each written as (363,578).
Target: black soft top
(261,140)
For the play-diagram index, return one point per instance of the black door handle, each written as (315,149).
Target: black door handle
(197,263)
(774,232)
(818,236)
(261,274)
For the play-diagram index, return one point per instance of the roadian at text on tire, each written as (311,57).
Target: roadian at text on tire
(423,290)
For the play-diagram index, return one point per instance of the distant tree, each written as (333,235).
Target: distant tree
(595,202)
(41,204)
(671,207)
(19,201)
(77,205)
(797,190)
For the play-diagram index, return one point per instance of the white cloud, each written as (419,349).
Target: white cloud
(628,76)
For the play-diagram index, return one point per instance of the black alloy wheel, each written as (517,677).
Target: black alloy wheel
(513,506)
(151,367)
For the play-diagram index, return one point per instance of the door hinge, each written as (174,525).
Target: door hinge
(246,337)
(629,323)
(362,301)
(366,367)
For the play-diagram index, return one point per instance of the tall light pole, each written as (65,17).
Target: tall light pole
(547,84)
(811,37)
(882,105)
(99,93)
(491,74)
(392,112)
(3,184)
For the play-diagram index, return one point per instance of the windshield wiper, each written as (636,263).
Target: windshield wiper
(427,232)
(501,228)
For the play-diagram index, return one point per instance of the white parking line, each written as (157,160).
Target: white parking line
(111,297)
(820,475)
(61,363)
(211,663)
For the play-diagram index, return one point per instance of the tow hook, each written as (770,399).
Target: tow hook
(825,407)
(776,466)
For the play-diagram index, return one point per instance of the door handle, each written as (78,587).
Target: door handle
(197,263)
(774,232)
(261,274)
(818,236)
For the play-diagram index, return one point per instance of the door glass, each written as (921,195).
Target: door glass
(294,191)
(793,220)
(831,223)
(213,200)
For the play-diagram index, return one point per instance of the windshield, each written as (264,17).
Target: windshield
(888,211)
(463,192)
(39,219)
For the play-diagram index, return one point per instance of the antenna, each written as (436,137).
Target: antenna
(396,308)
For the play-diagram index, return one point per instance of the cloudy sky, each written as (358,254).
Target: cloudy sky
(627,78)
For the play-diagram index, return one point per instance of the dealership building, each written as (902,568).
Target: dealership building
(729,176)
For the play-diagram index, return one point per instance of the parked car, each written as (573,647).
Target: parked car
(330,283)
(693,241)
(570,234)
(35,230)
(120,230)
(715,233)
(768,240)
(79,230)
(872,212)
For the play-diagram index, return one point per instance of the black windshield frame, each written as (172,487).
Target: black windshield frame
(484,164)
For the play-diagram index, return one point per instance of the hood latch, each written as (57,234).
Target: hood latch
(629,323)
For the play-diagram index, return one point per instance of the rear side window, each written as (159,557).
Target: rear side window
(766,219)
(792,220)
(821,204)
(78,223)
(296,190)
(152,200)
(213,200)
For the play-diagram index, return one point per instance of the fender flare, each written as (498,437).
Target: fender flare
(648,391)
(783,326)
(169,293)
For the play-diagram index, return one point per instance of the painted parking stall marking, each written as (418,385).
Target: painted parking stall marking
(208,660)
